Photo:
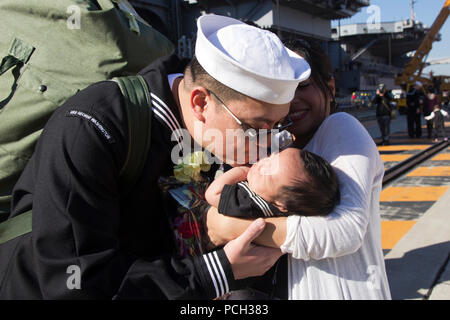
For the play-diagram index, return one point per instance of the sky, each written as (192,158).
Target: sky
(426,12)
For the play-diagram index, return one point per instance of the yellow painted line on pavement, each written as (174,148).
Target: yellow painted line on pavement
(394,157)
(401,141)
(441,156)
(403,147)
(393,231)
(429,193)
(430,172)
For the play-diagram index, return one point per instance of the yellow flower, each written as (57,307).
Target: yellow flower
(178,172)
(189,169)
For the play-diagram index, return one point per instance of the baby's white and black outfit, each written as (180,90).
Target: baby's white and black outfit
(238,200)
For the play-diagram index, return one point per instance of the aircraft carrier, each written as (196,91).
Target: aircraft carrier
(363,55)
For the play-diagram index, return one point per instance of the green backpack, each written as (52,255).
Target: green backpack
(49,50)
(139,113)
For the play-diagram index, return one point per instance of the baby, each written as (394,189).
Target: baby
(293,181)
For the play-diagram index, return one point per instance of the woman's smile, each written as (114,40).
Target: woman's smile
(299,114)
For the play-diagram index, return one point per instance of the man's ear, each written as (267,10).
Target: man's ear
(199,102)
(332,84)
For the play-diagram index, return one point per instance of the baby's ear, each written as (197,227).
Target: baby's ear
(280,206)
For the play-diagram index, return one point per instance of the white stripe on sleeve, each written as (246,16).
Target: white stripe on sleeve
(211,274)
(218,277)
(225,280)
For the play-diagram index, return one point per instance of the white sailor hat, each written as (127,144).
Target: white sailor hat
(249,60)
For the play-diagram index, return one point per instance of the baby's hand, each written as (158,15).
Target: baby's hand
(232,176)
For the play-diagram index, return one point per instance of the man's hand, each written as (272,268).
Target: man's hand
(248,259)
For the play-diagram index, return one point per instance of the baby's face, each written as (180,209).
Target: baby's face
(268,175)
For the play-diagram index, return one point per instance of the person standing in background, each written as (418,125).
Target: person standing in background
(414,99)
(430,101)
(382,102)
(444,102)
(437,116)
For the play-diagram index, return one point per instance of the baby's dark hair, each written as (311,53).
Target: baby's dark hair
(318,195)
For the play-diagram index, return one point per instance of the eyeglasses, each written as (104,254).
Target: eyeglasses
(251,131)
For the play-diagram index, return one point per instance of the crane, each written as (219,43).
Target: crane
(409,76)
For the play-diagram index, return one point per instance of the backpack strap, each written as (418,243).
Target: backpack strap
(15,227)
(19,53)
(137,98)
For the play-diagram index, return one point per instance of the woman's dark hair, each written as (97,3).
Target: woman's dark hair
(321,69)
(318,195)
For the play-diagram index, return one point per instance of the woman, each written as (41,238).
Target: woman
(338,256)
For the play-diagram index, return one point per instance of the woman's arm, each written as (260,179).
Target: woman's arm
(274,234)
(222,229)
(232,176)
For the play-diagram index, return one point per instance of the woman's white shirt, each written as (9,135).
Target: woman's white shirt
(339,256)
